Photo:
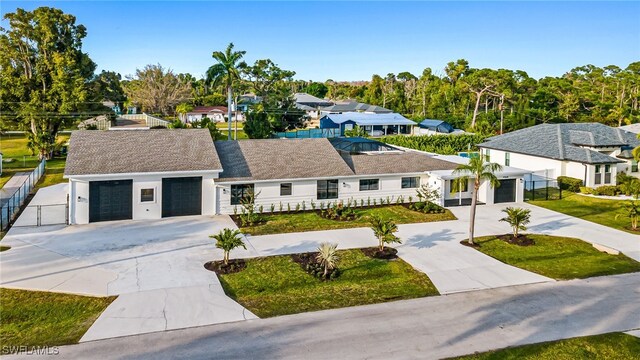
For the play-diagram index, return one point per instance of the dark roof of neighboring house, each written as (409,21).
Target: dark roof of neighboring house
(356,106)
(271,159)
(571,142)
(208,109)
(440,125)
(394,163)
(96,152)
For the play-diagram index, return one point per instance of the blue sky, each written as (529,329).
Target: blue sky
(352,41)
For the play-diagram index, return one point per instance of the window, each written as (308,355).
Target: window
(487,155)
(327,189)
(410,182)
(507,159)
(464,187)
(607,174)
(285,189)
(634,166)
(238,192)
(369,184)
(147,195)
(598,177)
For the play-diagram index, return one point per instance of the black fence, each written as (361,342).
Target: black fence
(11,205)
(542,190)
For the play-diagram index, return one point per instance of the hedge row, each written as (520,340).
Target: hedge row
(440,144)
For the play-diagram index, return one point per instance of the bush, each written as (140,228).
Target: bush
(606,190)
(441,144)
(586,190)
(569,183)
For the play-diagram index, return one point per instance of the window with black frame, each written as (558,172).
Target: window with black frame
(369,184)
(285,189)
(410,182)
(238,192)
(327,189)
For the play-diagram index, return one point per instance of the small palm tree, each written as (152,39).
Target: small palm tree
(632,211)
(480,171)
(518,218)
(227,240)
(327,257)
(226,71)
(384,230)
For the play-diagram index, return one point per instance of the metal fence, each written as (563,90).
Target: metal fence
(40,215)
(542,190)
(11,205)
(310,133)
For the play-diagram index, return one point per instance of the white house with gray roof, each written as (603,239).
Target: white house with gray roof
(592,152)
(151,174)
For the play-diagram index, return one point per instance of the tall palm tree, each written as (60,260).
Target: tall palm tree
(226,72)
(479,170)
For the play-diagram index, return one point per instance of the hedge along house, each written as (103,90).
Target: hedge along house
(592,152)
(373,124)
(296,173)
(142,174)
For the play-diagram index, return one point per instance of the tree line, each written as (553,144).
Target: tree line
(48,83)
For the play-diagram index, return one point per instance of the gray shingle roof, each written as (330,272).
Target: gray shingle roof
(564,141)
(307,99)
(140,151)
(395,163)
(272,159)
(356,106)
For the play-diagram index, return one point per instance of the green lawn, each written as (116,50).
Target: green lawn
(311,221)
(617,346)
(35,318)
(15,147)
(558,257)
(223,134)
(225,125)
(600,211)
(276,285)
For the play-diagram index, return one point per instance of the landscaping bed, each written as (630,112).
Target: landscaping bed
(312,220)
(278,285)
(556,257)
(37,318)
(219,267)
(599,211)
(617,346)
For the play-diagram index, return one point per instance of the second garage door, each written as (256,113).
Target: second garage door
(506,192)
(181,196)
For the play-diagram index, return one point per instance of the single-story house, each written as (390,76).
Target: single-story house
(151,174)
(215,113)
(140,174)
(592,152)
(353,106)
(434,127)
(310,104)
(373,124)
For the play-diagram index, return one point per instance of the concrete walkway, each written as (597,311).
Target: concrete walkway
(13,185)
(426,328)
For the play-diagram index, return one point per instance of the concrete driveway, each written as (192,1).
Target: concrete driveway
(155,266)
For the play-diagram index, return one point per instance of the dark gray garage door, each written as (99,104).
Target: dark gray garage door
(110,200)
(506,192)
(181,196)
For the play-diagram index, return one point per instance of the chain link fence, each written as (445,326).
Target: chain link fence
(11,205)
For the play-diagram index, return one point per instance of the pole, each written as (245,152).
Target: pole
(229,109)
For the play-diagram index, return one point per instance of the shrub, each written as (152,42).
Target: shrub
(606,190)
(441,144)
(339,212)
(586,190)
(569,183)
(517,218)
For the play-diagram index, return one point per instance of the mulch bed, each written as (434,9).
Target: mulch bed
(238,222)
(307,260)
(220,268)
(521,240)
(374,252)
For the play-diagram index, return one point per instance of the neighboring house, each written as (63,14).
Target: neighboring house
(373,124)
(113,106)
(310,104)
(633,128)
(435,127)
(215,113)
(353,106)
(140,174)
(151,174)
(592,152)
(245,101)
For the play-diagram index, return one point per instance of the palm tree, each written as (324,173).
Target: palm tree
(480,171)
(226,71)
(384,230)
(518,218)
(632,211)
(228,240)
(327,257)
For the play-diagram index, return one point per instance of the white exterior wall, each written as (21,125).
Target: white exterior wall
(79,195)
(541,166)
(268,192)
